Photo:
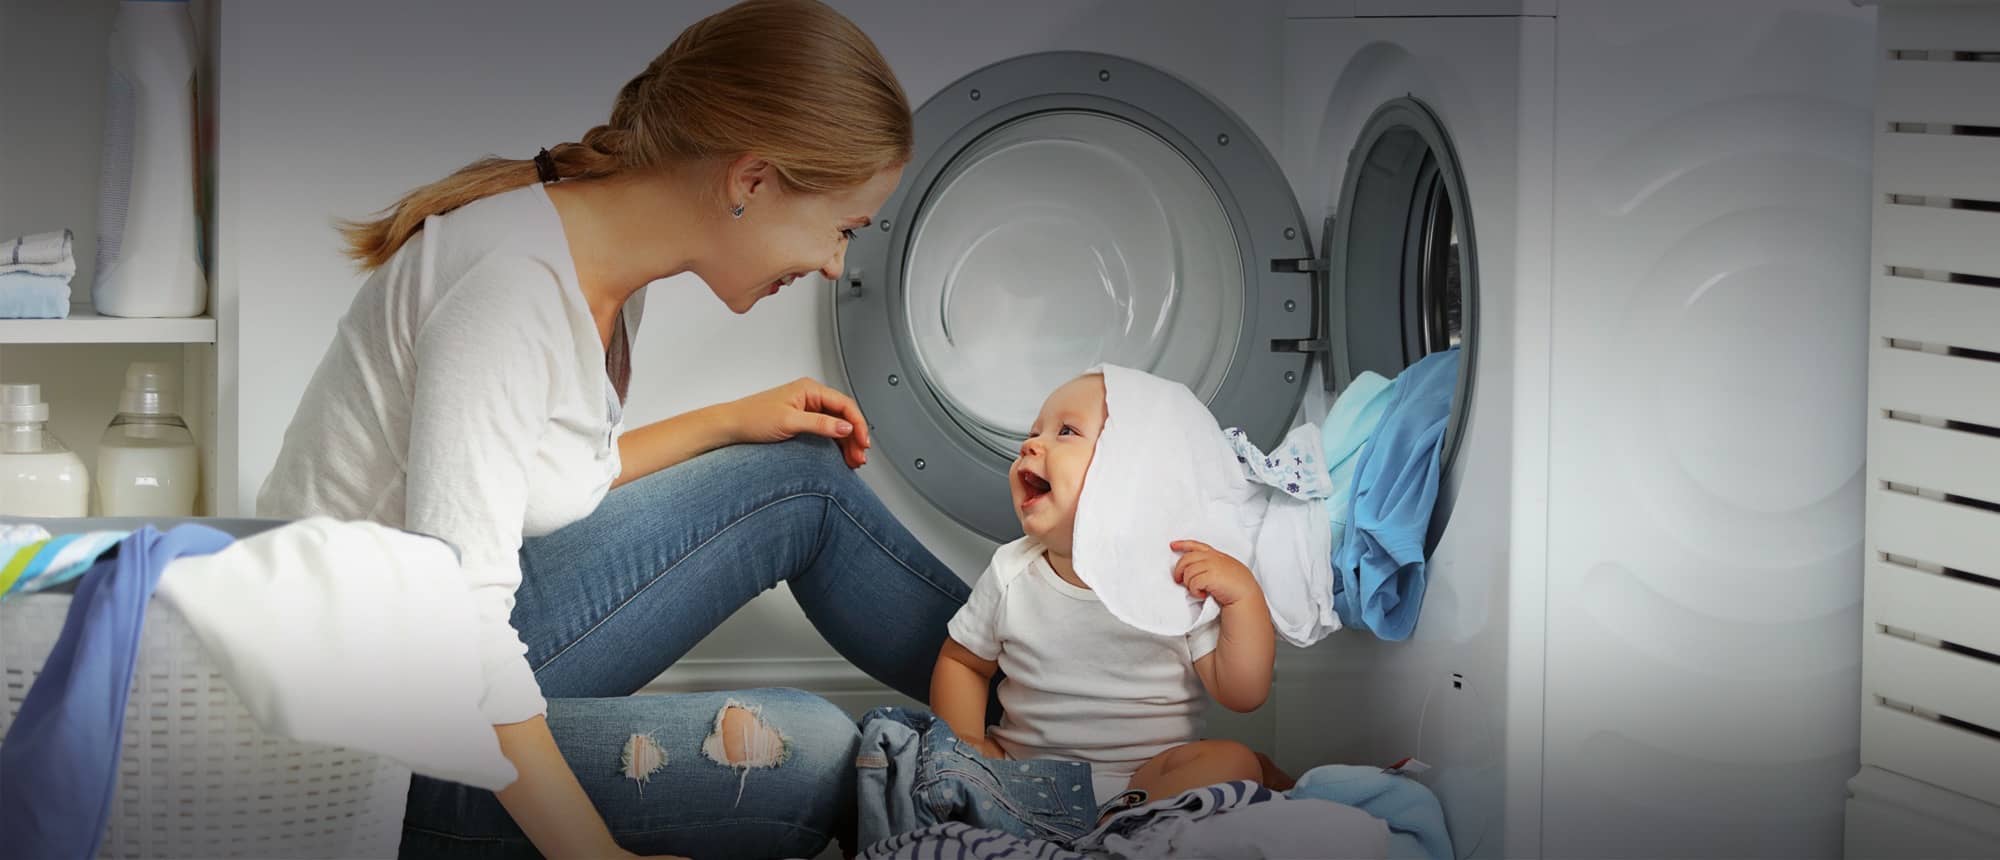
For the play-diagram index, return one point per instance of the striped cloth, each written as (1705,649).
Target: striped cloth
(31,560)
(956,840)
(48,254)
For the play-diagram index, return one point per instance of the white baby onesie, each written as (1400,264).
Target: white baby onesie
(1080,684)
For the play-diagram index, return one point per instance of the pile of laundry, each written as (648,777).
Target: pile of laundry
(35,272)
(923,793)
(299,621)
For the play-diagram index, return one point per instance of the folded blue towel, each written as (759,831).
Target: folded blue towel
(25,296)
(1379,566)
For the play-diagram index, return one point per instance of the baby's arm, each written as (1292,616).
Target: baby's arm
(1238,672)
(958,695)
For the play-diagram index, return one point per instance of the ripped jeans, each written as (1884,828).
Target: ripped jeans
(609,602)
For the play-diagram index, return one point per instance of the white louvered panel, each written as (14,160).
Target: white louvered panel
(1943,533)
(1962,93)
(1932,237)
(1934,605)
(1946,756)
(1932,74)
(1938,312)
(1955,685)
(1938,165)
(1938,386)
(1952,461)
(1940,27)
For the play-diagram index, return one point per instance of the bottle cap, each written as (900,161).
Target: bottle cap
(146,389)
(22,404)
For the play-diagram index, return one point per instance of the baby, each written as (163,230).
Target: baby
(1080,684)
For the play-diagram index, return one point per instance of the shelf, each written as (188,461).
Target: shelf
(84,325)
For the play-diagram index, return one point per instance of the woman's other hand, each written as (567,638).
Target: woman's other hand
(802,406)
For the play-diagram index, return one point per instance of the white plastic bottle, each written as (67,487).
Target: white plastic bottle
(146,463)
(148,258)
(39,476)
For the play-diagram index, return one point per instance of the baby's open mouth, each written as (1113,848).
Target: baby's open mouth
(1033,486)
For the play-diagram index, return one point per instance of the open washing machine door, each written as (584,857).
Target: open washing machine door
(1065,209)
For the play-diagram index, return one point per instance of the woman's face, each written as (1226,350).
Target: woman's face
(786,235)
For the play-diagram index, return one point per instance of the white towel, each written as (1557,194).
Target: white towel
(50,254)
(352,635)
(1163,472)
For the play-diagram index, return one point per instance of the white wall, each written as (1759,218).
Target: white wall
(335,109)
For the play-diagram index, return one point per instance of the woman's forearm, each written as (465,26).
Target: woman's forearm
(683,437)
(546,800)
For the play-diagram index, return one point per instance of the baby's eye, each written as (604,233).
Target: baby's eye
(1066,431)
(847,233)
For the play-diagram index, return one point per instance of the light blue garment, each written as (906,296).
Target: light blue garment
(59,763)
(25,296)
(1379,564)
(1348,425)
(1416,821)
(913,772)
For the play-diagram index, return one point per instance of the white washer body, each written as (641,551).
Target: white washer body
(1638,638)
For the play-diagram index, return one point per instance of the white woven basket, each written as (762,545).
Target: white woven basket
(196,777)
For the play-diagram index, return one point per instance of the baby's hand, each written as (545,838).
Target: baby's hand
(1205,572)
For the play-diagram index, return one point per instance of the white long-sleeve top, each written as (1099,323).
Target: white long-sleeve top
(465,396)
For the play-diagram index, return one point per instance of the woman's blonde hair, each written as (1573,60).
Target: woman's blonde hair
(791,80)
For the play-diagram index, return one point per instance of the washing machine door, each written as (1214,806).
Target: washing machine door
(1402,280)
(1062,210)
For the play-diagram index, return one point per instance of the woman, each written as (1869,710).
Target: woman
(474,392)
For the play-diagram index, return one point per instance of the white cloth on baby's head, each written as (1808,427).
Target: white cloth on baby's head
(1164,471)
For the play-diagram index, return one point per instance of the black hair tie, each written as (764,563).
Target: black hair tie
(545,167)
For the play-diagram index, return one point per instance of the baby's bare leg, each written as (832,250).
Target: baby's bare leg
(1195,765)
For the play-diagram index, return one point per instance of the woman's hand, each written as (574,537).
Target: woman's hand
(1207,572)
(801,406)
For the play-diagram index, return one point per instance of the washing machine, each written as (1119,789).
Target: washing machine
(1066,208)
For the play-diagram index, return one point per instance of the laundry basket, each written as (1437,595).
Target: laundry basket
(196,777)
